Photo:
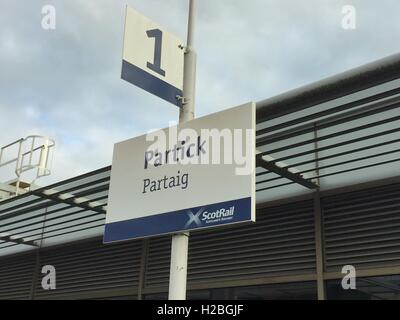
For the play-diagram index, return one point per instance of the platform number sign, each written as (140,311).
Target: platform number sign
(152,58)
(156,65)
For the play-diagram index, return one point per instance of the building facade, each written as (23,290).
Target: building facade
(328,198)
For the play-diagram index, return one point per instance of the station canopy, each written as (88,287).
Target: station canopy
(340,131)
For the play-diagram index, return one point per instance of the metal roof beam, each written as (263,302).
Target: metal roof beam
(262,161)
(70,199)
(17,239)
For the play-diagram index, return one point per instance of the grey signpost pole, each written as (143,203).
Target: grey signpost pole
(180,242)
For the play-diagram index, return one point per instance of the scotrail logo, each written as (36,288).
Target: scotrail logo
(194,218)
(206,217)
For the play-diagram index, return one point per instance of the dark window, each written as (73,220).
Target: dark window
(156,296)
(373,288)
(285,291)
(191,295)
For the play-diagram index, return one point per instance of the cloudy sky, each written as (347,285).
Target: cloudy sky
(65,83)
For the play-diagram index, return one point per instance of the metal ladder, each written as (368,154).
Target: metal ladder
(32,153)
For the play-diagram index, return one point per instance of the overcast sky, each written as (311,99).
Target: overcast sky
(65,83)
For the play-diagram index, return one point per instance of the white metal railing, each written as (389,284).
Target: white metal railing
(32,153)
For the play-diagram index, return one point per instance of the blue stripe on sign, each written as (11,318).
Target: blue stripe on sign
(150,83)
(181,220)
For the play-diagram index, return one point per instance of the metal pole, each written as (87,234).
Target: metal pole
(189,76)
(319,247)
(180,242)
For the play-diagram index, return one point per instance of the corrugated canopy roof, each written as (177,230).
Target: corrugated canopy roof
(339,131)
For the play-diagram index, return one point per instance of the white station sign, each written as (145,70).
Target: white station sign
(196,175)
(152,57)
